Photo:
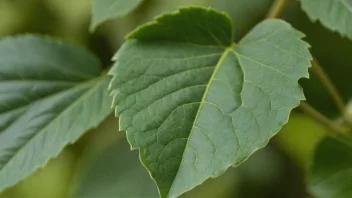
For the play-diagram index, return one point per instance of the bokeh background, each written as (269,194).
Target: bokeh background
(100,164)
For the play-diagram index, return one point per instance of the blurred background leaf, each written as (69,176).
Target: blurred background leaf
(53,181)
(331,173)
(104,10)
(245,14)
(117,172)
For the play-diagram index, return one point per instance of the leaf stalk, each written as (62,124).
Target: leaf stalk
(324,78)
(323,120)
(276,9)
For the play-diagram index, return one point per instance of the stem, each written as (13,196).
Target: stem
(276,9)
(316,115)
(324,78)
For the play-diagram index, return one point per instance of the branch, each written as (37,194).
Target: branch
(276,9)
(324,78)
(317,116)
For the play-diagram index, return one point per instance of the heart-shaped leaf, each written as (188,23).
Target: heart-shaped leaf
(195,103)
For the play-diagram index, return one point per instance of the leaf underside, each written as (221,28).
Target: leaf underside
(333,14)
(331,173)
(50,94)
(194,103)
(103,10)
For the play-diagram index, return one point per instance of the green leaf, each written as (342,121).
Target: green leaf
(194,103)
(104,10)
(331,172)
(114,172)
(50,94)
(333,14)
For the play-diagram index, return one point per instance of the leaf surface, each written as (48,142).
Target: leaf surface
(194,103)
(50,94)
(333,14)
(331,172)
(103,10)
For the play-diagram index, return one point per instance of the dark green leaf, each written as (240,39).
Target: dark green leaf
(331,172)
(195,103)
(50,94)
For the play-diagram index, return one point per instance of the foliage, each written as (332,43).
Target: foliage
(335,15)
(331,172)
(198,104)
(49,98)
(194,92)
